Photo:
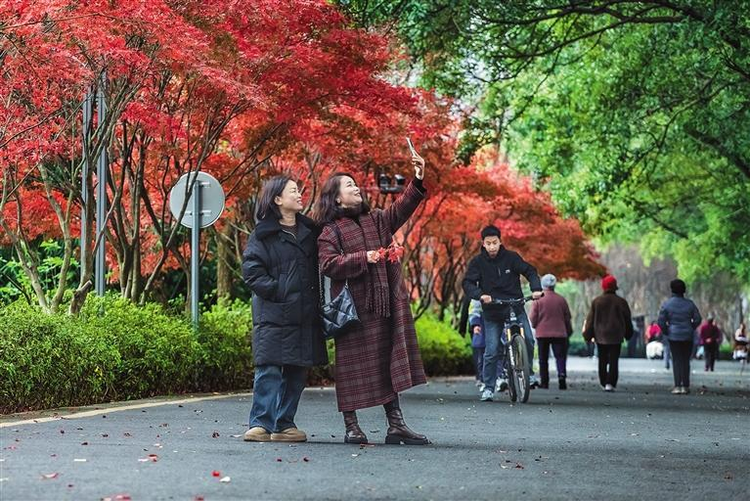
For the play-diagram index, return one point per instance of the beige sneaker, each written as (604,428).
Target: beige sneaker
(289,435)
(257,434)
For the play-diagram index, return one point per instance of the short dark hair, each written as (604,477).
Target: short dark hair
(677,286)
(490,231)
(327,210)
(272,188)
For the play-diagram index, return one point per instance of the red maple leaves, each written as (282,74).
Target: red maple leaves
(393,253)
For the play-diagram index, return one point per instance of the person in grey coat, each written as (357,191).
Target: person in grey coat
(280,265)
(678,319)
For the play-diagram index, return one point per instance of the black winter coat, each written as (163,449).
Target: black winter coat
(282,272)
(500,277)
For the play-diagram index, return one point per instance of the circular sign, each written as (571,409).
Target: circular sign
(211,199)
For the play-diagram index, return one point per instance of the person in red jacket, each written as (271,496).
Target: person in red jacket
(550,316)
(608,323)
(654,332)
(710,339)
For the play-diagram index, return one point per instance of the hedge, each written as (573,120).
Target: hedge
(115,350)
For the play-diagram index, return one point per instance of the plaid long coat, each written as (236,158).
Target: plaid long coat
(380,359)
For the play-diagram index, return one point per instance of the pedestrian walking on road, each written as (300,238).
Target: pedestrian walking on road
(280,265)
(608,323)
(710,339)
(678,320)
(380,359)
(550,317)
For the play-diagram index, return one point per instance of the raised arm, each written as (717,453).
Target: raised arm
(404,206)
(333,263)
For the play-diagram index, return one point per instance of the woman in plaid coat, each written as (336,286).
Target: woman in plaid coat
(380,359)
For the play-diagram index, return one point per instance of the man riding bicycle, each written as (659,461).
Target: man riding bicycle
(496,274)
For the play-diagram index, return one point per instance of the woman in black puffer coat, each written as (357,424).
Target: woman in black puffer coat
(280,265)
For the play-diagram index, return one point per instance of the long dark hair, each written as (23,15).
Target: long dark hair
(272,188)
(327,210)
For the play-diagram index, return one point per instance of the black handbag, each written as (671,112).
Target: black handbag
(339,314)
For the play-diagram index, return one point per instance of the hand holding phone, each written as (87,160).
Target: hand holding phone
(416,160)
(411,147)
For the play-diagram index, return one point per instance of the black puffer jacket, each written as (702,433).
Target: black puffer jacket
(282,272)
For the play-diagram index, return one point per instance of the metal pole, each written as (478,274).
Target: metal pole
(101,199)
(87,111)
(195,249)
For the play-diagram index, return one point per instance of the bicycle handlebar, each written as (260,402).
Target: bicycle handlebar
(520,300)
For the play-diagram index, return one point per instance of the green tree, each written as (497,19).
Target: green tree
(634,114)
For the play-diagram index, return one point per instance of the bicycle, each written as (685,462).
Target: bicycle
(519,365)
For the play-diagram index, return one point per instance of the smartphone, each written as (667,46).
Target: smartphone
(411,147)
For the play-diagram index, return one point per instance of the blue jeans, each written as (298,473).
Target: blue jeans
(276,394)
(495,346)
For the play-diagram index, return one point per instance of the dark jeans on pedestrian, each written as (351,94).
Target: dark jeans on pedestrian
(559,348)
(478,361)
(710,354)
(276,394)
(609,359)
(681,351)
(667,354)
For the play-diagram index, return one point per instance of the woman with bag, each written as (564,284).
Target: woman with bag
(379,358)
(280,265)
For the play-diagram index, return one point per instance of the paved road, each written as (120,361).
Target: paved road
(580,444)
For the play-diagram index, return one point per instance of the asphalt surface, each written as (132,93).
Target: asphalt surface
(637,443)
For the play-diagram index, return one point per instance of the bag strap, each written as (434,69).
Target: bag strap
(324,282)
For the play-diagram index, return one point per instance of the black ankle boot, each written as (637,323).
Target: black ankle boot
(398,432)
(562,383)
(354,434)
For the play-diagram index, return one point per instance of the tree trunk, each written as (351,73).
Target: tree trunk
(224,262)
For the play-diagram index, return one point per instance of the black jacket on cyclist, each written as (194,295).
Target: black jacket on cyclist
(500,277)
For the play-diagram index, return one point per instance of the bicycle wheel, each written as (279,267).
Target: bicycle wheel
(521,372)
(512,393)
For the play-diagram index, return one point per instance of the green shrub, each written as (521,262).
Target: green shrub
(444,351)
(226,355)
(158,352)
(116,350)
(47,361)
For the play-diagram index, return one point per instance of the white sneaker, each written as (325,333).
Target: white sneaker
(533,382)
(478,383)
(501,385)
(487,395)
(609,388)
(481,388)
